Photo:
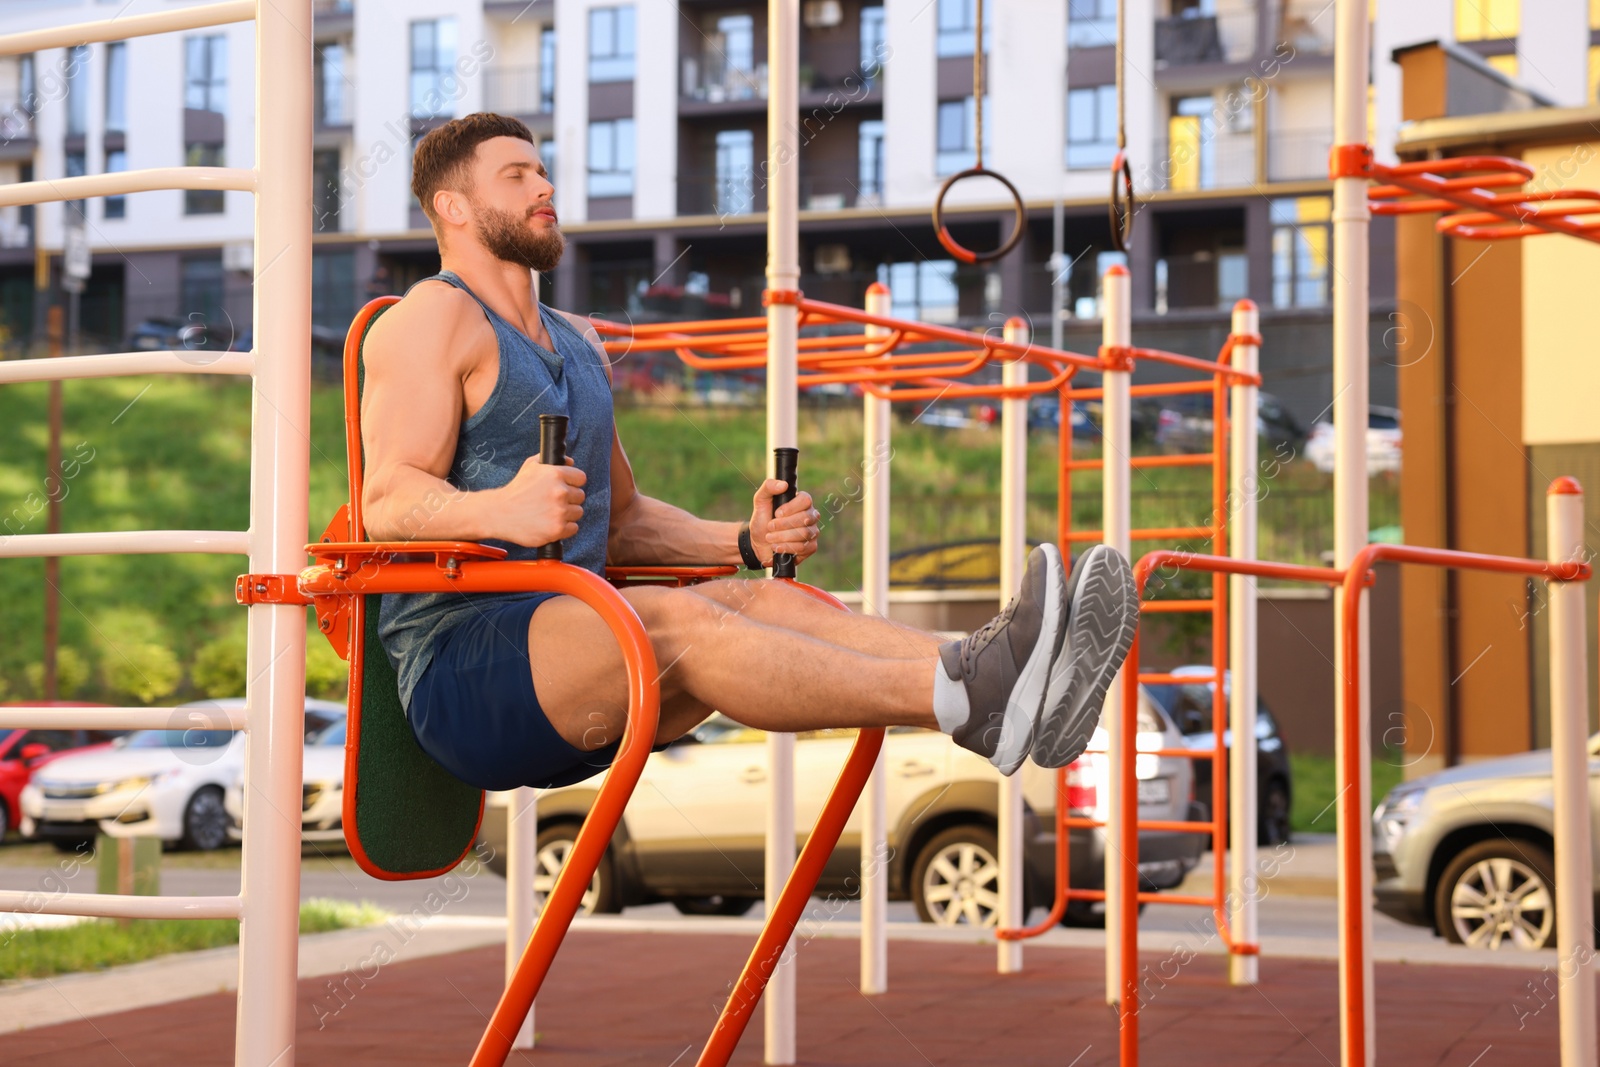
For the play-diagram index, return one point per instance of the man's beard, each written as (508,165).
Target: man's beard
(507,237)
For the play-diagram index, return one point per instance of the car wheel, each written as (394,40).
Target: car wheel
(72,844)
(205,820)
(1498,894)
(1273,811)
(554,846)
(956,879)
(713,905)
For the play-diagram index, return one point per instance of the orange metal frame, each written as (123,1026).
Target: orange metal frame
(1483,195)
(1352,580)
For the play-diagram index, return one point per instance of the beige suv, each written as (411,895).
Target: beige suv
(694,832)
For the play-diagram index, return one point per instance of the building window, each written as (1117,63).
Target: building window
(434,85)
(611,44)
(77,64)
(203,201)
(547,69)
(1192,144)
(874,46)
(325,192)
(1091,126)
(958,20)
(924,290)
(1301,251)
(611,158)
(870,155)
(116,207)
(1487,20)
(1594,72)
(333,289)
(957,126)
(206,80)
(1091,23)
(1506,64)
(117,87)
(330,86)
(547,156)
(200,293)
(735,185)
(77,167)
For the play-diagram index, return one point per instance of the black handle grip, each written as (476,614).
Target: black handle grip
(785,462)
(552,450)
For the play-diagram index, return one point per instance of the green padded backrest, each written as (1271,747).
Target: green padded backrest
(410,818)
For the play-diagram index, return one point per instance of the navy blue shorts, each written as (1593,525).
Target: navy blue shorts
(475,712)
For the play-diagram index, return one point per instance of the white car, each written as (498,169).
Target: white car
(693,833)
(1383,442)
(322,797)
(160,783)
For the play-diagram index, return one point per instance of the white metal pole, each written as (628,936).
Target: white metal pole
(1116,479)
(1013,556)
(783,275)
(875,601)
(1242,873)
(522,850)
(280,465)
(1350,315)
(1058,274)
(1569,737)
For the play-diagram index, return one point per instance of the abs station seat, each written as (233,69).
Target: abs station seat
(405,816)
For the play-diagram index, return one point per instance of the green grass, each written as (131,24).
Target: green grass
(173,452)
(320,856)
(1315,791)
(99,943)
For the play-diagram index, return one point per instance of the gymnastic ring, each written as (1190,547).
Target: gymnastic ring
(966,255)
(1121,210)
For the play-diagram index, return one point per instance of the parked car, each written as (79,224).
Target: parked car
(163,783)
(1184,424)
(1189,705)
(1469,851)
(1383,442)
(956,414)
(1044,413)
(22,752)
(322,796)
(165,331)
(694,832)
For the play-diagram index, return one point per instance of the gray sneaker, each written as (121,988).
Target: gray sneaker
(1102,618)
(1005,664)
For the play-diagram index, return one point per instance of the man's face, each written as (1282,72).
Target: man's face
(512,216)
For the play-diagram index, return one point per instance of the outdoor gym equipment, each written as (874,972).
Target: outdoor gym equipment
(978,170)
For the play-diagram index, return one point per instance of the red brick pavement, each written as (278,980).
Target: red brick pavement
(648,1000)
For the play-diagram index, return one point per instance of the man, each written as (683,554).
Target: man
(529,688)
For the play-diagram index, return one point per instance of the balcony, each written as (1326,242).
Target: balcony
(1298,155)
(742,192)
(1189,40)
(1307,27)
(16,227)
(333,18)
(711,79)
(517,91)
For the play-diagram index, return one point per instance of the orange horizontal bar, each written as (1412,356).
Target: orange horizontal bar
(1159,607)
(1178,826)
(1173,359)
(1147,389)
(1179,753)
(1160,678)
(1188,459)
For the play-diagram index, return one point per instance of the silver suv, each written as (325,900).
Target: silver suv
(694,832)
(1468,851)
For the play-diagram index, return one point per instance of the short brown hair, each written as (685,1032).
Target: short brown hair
(443,153)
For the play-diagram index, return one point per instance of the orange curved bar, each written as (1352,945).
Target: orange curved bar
(1058,909)
(1464,185)
(644,702)
(779,927)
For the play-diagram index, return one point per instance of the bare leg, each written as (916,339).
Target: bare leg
(764,675)
(782,604)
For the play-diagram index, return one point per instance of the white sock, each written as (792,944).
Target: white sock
(950,705)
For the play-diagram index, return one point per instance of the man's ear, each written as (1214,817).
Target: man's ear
(450,206)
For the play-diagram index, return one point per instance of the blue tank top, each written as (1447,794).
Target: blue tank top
(492,446)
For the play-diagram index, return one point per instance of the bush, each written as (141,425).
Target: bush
(142,671)
(327,676)
(219,666)
(72,673)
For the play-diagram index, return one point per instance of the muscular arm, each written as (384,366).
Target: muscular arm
(420,359)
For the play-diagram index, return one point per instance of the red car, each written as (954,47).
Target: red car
(24,751)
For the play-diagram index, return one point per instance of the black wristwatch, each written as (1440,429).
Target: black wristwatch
(748,550)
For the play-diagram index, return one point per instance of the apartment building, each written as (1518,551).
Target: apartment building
(651,117)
